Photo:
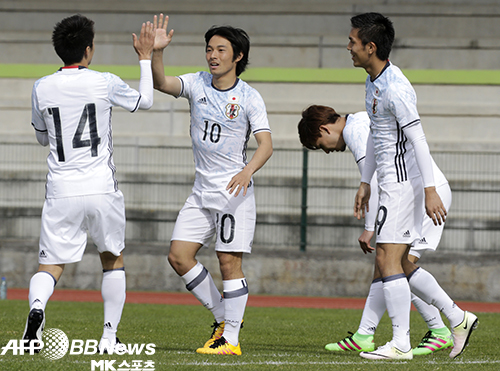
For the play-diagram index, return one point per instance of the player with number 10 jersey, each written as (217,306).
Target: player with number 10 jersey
(221,124)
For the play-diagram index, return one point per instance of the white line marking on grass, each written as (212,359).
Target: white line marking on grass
(284,363)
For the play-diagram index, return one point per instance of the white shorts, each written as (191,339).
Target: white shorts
(431,234)
(231,219)
(66,221)
(400,212)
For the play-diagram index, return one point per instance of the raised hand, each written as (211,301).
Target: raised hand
(143,44)
(162,38)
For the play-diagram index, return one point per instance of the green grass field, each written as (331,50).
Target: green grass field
(272,339)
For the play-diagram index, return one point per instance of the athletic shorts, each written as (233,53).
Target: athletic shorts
(66,221)
(231,219)
(400,212)
(431,234)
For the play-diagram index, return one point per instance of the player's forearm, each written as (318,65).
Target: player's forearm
(42,137)
(261,155)
(369,166)
(146,85)
(159,82)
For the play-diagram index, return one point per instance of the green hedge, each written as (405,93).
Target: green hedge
(305,75)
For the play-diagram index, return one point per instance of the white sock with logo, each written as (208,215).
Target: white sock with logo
(398,301)
(41,289)
(235,301)
(425,286)
(374,309)
(201,284)
(113,292)
(429,313)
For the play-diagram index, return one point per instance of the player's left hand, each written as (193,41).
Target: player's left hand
(239,182)
(143,44)
(364,241)
(434,206)
(361,201)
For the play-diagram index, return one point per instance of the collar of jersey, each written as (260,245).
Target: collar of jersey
(71,67)
(232,87)
(383,69)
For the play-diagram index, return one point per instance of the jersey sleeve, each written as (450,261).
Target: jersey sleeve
(403,104)
(187,81)
(257,114)
(36,115)
(121,94)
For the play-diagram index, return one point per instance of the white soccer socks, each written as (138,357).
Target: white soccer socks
(41,289)
(374,308)
(199,281)
(113,291)
(235,300)
(398,301)
(429,313)
(425,286)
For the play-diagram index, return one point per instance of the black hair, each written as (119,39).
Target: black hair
(376,28)
(71,36)
(239,40)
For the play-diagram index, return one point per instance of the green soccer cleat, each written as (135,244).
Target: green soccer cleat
(433,341)
(354,343)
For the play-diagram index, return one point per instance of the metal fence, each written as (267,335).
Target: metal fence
(304,198)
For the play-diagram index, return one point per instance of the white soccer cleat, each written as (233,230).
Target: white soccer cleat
(462,332)
(388,352)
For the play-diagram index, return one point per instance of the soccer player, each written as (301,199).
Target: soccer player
(398,150)
(224,112)
(71,112)
(322,128)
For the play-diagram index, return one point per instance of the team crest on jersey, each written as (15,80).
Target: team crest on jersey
(374,106)
(232,110)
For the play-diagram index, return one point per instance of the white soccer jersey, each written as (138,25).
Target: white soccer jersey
(221,124)
(74,106)
(355,136)
(391,103)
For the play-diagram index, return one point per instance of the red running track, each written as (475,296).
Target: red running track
(177,298)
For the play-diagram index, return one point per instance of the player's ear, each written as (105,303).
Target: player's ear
(238,58)
(324,129)
(371,47)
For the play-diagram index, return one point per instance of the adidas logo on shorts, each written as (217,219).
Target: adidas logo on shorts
(423,241)
(407,234)
(43,254)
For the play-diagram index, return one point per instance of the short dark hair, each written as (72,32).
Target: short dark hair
(312,118)
(71,36)
(239,40)
(376,28)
